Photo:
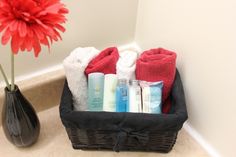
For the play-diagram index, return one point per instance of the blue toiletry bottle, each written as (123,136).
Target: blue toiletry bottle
(122,96)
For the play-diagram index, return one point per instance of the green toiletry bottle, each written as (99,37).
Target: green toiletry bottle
(95,91)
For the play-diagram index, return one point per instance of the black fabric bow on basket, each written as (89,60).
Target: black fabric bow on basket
(124,135)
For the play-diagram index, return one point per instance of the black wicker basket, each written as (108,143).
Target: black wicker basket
(124,131)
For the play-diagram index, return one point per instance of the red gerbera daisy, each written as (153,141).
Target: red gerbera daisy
(30,23)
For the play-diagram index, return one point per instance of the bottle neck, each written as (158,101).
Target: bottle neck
(134,82)
(122,82)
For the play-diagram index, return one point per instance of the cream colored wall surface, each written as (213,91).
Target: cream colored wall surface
(90,23)
(203,33)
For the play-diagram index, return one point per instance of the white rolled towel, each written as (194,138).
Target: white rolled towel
(126,65)
(74,66)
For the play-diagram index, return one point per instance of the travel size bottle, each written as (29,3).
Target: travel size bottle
(95,91)
(109,98)
(135,102)
(122,95)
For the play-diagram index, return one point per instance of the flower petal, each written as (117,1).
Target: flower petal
(2,27)
(37,47)
(13,26)
(30,33)
(38,32)
(64,11)
(28,43)
(15,44)
(53,9)
(45,42)
(22,29)
(58,34)
(6,37)
(59,27)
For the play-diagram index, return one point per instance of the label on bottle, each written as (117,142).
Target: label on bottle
(138,99)
(95,91)
(146,99)
(121,99)
(96,99)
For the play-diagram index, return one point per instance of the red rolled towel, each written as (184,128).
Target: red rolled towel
(105,62)
(158,65)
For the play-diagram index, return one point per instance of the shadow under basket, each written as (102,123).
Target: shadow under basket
(124,131)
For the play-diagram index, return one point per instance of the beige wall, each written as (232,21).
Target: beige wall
(90,23)
(203,33)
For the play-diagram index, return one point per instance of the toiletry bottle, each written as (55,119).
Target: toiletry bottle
(135,102)
(109,98)
(95,91)
(146,98)
(122,97)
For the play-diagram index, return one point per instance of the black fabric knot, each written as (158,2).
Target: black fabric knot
(124,134)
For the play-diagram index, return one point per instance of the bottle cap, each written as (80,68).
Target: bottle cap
(122,82)
(134,82)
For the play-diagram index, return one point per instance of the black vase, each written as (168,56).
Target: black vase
(19,120)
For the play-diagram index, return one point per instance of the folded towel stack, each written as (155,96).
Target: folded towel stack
(74,66)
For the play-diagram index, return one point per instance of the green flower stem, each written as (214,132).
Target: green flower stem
(5,77)
(12,72)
